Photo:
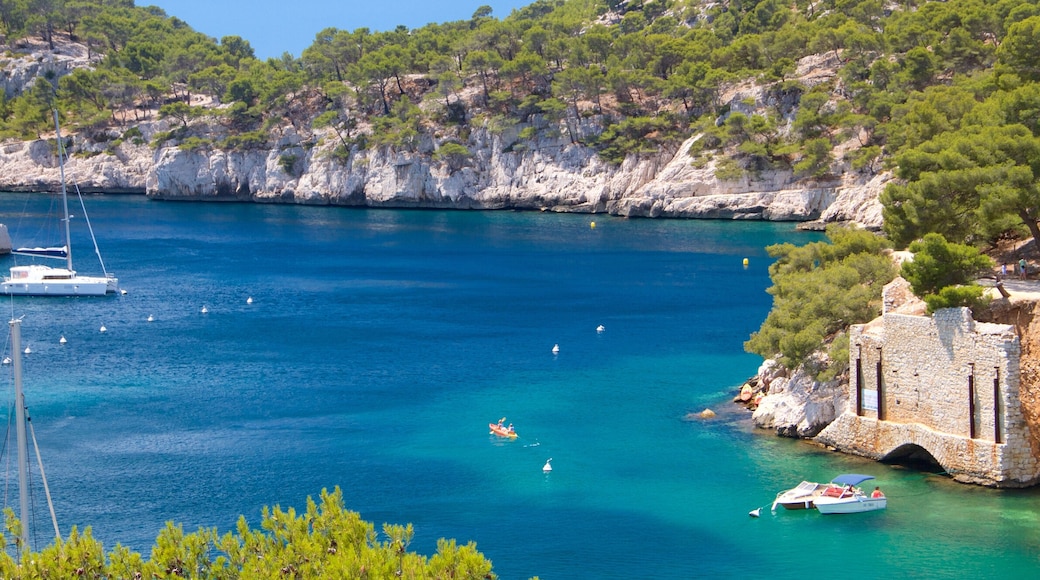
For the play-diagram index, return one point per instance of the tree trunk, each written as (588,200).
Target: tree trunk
(1034,229)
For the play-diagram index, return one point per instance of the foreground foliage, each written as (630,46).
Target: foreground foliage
(819,289)
(327,541)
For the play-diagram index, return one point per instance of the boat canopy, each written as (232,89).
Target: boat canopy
(852,479)
(53,252)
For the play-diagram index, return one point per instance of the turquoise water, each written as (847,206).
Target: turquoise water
(378,346)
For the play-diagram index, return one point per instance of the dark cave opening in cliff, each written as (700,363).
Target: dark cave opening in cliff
(913,457)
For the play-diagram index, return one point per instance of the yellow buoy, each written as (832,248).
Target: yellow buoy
(745,261)
(592,225)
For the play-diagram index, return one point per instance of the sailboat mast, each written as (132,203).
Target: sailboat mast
(64,193)
(23,443)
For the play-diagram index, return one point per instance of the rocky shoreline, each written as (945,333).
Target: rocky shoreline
(791,403)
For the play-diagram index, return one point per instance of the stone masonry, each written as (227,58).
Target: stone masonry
(946,385)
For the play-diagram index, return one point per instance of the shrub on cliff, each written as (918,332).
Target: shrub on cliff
(941,273)
(819,289)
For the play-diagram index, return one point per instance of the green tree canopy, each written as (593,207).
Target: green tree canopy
(942,273)
(819,289)
(963,185)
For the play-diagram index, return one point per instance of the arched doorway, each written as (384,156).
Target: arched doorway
(914,457)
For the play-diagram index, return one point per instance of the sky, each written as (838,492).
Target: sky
(273,27)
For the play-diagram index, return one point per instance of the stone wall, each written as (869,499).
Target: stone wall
(948,385)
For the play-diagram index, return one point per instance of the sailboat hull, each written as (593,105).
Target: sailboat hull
(36,280)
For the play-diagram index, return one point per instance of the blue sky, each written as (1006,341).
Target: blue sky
(276,26)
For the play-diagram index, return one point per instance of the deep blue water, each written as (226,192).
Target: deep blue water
(378,346)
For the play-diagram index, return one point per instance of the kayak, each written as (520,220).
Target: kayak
(501,431)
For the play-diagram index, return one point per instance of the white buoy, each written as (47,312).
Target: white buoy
(600,328)
(103,329)
(123,292)
(28,350)
(547,467)
(204,309)
(62,340)
(151,318)
(556,349)
(7,360)
(249,300)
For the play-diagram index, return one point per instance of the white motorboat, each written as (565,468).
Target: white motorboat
(847,498)
(800,497)
(41,280)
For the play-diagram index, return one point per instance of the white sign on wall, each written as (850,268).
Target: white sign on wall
(869,400)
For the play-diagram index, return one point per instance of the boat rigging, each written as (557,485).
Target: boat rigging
(23,431)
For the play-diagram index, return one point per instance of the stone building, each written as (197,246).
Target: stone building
(943,386)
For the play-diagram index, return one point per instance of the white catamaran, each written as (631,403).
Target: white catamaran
(41,280)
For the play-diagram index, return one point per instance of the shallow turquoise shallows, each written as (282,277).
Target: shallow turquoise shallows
(380,344)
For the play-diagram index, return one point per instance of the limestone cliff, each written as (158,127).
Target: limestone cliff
(501,173)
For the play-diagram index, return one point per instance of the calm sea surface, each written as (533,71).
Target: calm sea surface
(378,346)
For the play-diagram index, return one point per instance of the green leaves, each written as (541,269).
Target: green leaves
(634,135)
(941,272)
(1020,50)
(455,155)
(965,184)
(819,290)
(327,541)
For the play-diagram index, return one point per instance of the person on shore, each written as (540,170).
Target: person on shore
(1003,270)
(877,493)
(1022,268)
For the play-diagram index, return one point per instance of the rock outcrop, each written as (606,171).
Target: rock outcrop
(33,60)
(796,405)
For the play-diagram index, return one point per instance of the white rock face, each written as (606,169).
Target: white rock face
(796,406)
(21,69)
(501,173)
(858,201)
